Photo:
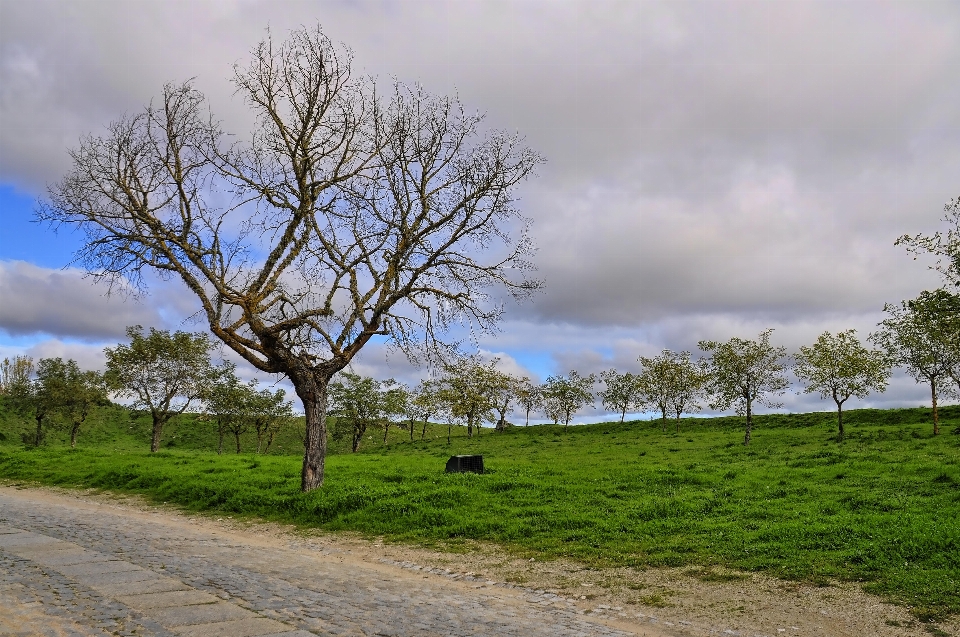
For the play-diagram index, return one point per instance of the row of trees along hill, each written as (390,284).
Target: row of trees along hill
(157,372)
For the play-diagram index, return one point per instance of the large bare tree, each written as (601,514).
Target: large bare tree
(346,216)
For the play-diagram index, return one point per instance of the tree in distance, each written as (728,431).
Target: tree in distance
(360,401)
(564,396)
(655,383)
(690,380)
(15,374)
(268,412)
(82,389)
(426,402)
(529,396)
(353,215)
(923,336)
(395,405)
(224,401)
(839,366)
(40,397)
(468,386)
(163,373)
(672,383)
(621,392)
(744,372)
(505,391)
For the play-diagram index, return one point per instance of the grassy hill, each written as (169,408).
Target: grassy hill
(881,507)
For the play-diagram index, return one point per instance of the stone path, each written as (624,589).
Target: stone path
(73,568)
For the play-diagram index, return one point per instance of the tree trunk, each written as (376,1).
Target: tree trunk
(449,429)
(423,432)
(839,417)
(678,422)
(623,414)
(38,437)
(311,388)
(74,430)
(259,440)
(269,441)
(528,418)
(936,415)
(158,422)
(746,436)
(220,439)
(411,429)
(236,437)
(386,430)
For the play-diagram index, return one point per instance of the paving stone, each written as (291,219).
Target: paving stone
(206,614)
(157,584)
(122,577)
(252,627)
(102,567)
(167,599)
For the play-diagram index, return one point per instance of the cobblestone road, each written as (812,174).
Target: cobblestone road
(73,567)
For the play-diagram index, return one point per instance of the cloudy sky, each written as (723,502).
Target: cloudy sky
(713,168)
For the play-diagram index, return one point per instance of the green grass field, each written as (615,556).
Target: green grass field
(881,508)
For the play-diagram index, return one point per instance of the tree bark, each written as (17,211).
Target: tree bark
(74,430)
(936,415)
(158,422)
(423,432)
(236,437)
(38,437)
(311,388)
(839,402)
(746,436)
(386,430)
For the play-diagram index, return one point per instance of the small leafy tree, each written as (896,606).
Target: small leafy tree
(564,396)
(395,405)
(358,400)
(15,374)
(163,373)
(468,387)
(506,390)
(922,336)
(268,411)
(655,383)
(224,400)
(42,397)
(690,380)
(83,389)
(529,396)
(840,367)
(426,402)
(744,372)
(621,392)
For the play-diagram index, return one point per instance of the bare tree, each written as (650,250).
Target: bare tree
(840,367)
(351,216)
(743,372)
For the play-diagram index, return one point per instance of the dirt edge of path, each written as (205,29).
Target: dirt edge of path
(688,601)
